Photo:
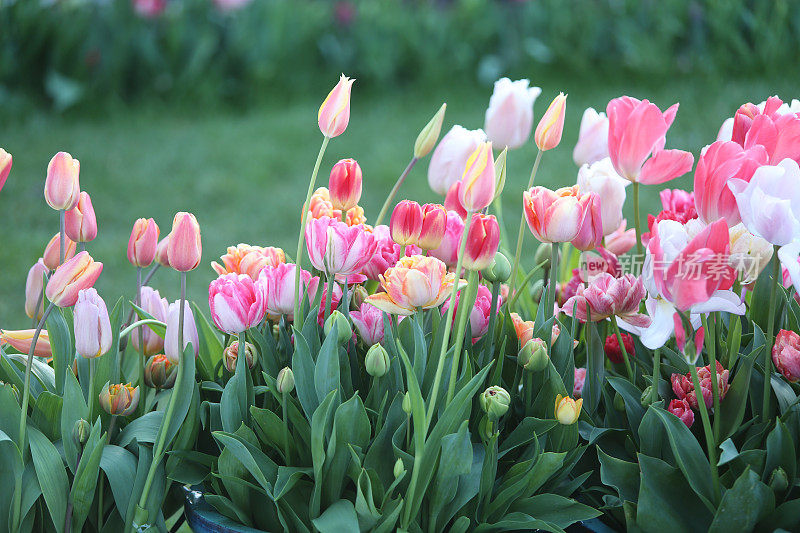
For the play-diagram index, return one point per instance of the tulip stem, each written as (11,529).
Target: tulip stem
(493,310)
(521,232)
(636,223)
(448,324)
(551,291)
(776,274)
(711,346)
(142,322)
(710,445)
(328,296)
(394,190)
(656,375)
(39,300)
(285,408)
(298,320)
(622,349)
(91,386)
(62,246)
(467,301)
(141,336)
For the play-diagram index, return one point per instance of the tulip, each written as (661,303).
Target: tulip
(158,308)
(499,270)
(749,254)
(52,252)
(119,399)
(495,401)
(369,323)
(592,145)
(250,260)
(62,187)
(376,362)
(80,222)
(91,325)
(336,248)
(533,356)
(682,410)
(69,279)
(434,224)
(621,240)
(160,372)
(578,382)
(480,313)
(608,296)
(21,341)
(590,232)
(683,387)
(447,251)
(162,252)
(284,383)
(5,167)
(478,182)
(613,350)
(387,252)
(237,303)
(786,354)
(334,113)
(450,157)
(452,202)
(601,178)
(551,125)
(772,125)
(143,243)
(559,216)
(278,285)
(415,282)
(231,355)
(344,331)
(171,346)
(483,239)
(81,431)
(406,222)
(427,138)
(34,302)
(567,410)
(345,184)
(637,132)
(321,206)
(509,118)
(185,248)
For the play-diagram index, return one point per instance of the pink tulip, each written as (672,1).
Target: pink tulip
(592,145)
(679,201)
(345,184)
(406,222)
(5,167)
(143,242)
(158,308)
(171,337)
(559,216)
(578,382)
(62,187)
(608,296)
(185,247)
(483,239)
(237,303)
(478,182)
(719,163)
(601,178)
(149,9)
(590,233)
(452,202)
(683,387)
(91,325)
(509,118)
(786,354)
(52,252)
(450,157)
(334,113)
(278,284)
(434,223)
(682,410)
(80,222)
(34,301)
(69,279)
(778,132)
(336,248)
(447,251)
(479,315)
(22,339)
(387,252)
(336,297)
(548,131)
(621,240)
(637,133)
(369,322)
(162,252)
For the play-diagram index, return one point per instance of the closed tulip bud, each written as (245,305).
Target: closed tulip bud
(345,184)
(778,480)
(119,399)
(334,113)
(427,138)
(34,284)
(619,402)
(495,401)
(533,356)
(80,432)
(483,239)
(509,118)
(5,167)
(567,410)
(544,253)
(160,372)
(231,355)
(52,252)
(377,361)
(407,403)
(499,270)
(285,381)
(69,279)
(478,181)
(500,172)
(357,297)
(344,330)
(185,248)
(550,127)
(450,157)
(143,242)
(406,223)
(91,325)
(646,398)
(537,290)
(80,222)
(162,252)
(434,224)
(399,468)
(62,187)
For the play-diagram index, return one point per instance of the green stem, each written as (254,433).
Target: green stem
(142,322)
(62,248)
(489,352)
(467,297)
(712,448)
(141,383)
(636,224)
(285,409)
(394,190)
(550,302)
(711,346)
(328,296)
(521,232)
(622,349)
(91,386)
(776,274)
(656,375)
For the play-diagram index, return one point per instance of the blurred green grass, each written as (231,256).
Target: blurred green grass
(244,172)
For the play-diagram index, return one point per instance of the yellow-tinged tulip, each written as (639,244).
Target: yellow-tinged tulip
(34,284)
(119,399)
(567,410)
(550,127)
(69,279)
(334,113)
(21,340)
(62,187)
(478,182)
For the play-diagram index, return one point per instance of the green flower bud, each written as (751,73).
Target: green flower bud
(500,173)
(427,138)
(619,402)
(537,289)
(344,329)
(14,388)
(647,396)
(377,361)
(231,353)
(499,270)
(495,401)
(399,468)
(778,481)
(407,403)
(285,380)
(543,254)
(160,372)
(533,356)
(357,298)
(80,432)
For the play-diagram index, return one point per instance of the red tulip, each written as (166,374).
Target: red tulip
(434,223)
(345,184)
(406,222)
(483,239)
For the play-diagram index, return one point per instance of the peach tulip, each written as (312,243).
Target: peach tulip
(34,300)
(345,184)
(509,118)
(336,248)
(450,157)
(559,216)
(62,186)
(550,127)
(334,113)
(416,282)
(69,279)
(80,222)
(21,341)
(52,252)
(162,252)
(185,247)
(478,182)
(321,206)
(143,242)
(250,260)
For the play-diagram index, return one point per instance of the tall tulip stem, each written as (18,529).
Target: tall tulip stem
(140,333)
(521,232)
(636,223)
(62,246)
(710,445)
(393,192)
(773,295)
(623,349)
(467,301)
(551,289)
(656,375)
(711,346)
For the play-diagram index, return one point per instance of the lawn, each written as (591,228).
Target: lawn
(244,172)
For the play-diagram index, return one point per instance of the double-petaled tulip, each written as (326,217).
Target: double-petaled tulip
(92,325)
(345,184)
(563,215)
(406,222)
(592,142)
(452,202)
(495,401)
(119,399)
(613,350)
(551,125)
(620,240)
(637,132)
(450,157)
(578,381)
(369,323)
(434,223)
(62,186)
(250,260)
(231,354)
(5,167)
(480,312)
(567,410)
(320,206)
(416,282)
(717,164)
(786,354)
(682,409)
(478,182)
(533,355)
(749,254)
(160,372)
(278,283)
(69,279)
(483,239)
(21,341)
(158,308)
(334,113)
(237,302)
(52,252)
(162,252)
(387,252)
(608,296)
(772,125)
(509,118)
(34,300)
(447,250)
(80,222)
(336,248)
(683,386)
(171,341)
(601,178)
(143,242)
(185,248)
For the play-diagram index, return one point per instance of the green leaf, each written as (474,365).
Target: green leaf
(303,368)
(736,400)
(633,402)
(85,482)
(119,466)
(786,516)
(622,475)
(236,397)
(340,516)
(143,429)
(744,505)
(210,349)
(73,409)
(780,452)
(261,467)
(62,347)
(555,509)
(184,385)
(326,371)
(51,475)
(47,415)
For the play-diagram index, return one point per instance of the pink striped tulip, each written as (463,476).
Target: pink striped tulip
(344,185)
(509,118)
(250,260)
(52,252)
(80,222)
(452,202)
(5,167)
(406,222)
(559,216)
(278,285)
(158,308)
(434,223)
(550,127)
(483,239)
(682,410)
(185,248)
(481,310)
(592,145)
(590,234)
(334,113)
(369,322)
(91,325)
(21,341)
(143,242)
(450,157)
(637,132)
(34,300)
(416,282)
(786,354)
(478,182)
(69,279)
(336,248)
(237,303)
(171,337)
(608,296)
(447,250)
(62,186)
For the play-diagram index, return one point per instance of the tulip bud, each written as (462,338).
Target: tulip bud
(434,224)
(345,184)
(619,402)
(62,187)
(567,410)
(357,297)
(499,270)
(544,253)
(231,354)
(478,182)
(647,398)
(143,242)
(119,399)
(34,300)
(483,239)
(533,356)
(778,480)
(184,248)
(377,361)
(550,127)
(407,403)
(452,202)
(334,113)
(285,381)
(160,372)
(80,222)
(80,432)
(427,138)
(52,252)
(500,172)
(5,166)
(399,468)
(406,223)
(537,290)
(344,330)
(69,279)
(14,389)
(91,325)
(162,252)
(495,401)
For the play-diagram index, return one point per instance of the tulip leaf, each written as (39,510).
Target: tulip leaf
(115,318)
(51,475)
(85,482)
(143,429)
(47,415)
(554,509)
(747,502)
(326,370)
(320,430)
(303,368)
(119,466)
(780,452)
(783,392)
(260,466)
(183,388)
(62,347)
(622,475)
(633,402)
(210,349)
(236,396)
(736,400)
(340,516)
(158,327)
